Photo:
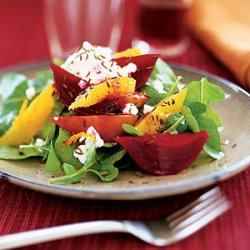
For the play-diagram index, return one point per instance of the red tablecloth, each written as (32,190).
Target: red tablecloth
(22,39)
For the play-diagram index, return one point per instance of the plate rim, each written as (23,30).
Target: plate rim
(143,192)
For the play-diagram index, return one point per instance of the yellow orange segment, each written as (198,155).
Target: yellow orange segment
(30,120)
(116,86)
(128,53)
(153,122)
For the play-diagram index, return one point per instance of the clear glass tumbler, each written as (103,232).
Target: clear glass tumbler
(70,22)
(162,26)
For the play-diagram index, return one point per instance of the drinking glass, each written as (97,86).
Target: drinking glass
(70,22)
(162,26)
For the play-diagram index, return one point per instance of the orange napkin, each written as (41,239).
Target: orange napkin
(223,26)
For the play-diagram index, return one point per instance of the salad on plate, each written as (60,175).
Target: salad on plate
(100,112)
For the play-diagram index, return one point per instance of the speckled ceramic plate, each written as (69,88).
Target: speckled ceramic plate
(235,114)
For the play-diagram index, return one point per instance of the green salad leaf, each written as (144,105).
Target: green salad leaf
(205,92)
(129,129)
(162,72)
(49,128)
(99,163)
(12,101)
(65,154)
(165,75)
(53,164)
(16,153)
(175,124)
(190,118)
(199,114)
(213,145)
(155,96)
(13,88)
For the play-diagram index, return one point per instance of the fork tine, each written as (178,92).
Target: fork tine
(192,216)
(200,208)
(203,221)
(213,193)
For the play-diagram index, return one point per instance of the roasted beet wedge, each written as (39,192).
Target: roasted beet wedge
(164,154)
(108,126)
(145,65)
(67,84)
(114,103)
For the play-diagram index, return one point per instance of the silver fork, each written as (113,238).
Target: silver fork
(161,232)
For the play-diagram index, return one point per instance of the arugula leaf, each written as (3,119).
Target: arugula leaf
(109,144)
(175,123)
(197,108)
(174,87)
(49,128)
(65,154)
(105,168)
(41,80)
(213,145)
(102,165)
(70,170)
(53,164)
(200,94)
(8,83)
(166,76)
(12,89)
(155,96)
(130,129)
(191,120)
(162,72)
(15,153)
(11,105)
(212,115)
(204,92)
(43,148)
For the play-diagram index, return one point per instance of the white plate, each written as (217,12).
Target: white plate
(235,114)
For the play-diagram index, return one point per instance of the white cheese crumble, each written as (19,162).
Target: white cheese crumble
(39,142)
(158,86)
(221,155)
(130,109)
(147,108)
(98,140)
(94,64)
(30,92)
(81,152)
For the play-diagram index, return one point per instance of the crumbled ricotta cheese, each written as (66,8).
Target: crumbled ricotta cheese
(221,155)
(94,64)
(30,92)
(147,108)
(130,108)
(81,152)
(158,86)
(98,140)
(39,142)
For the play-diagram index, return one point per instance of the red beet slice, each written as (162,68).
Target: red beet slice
(164,154)
(67,85)
(108,126)
(145,65)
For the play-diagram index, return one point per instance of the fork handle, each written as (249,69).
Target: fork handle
(60,232)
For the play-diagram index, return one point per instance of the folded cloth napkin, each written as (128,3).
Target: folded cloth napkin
(223,26)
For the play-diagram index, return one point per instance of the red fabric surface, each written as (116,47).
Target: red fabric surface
(23,40)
